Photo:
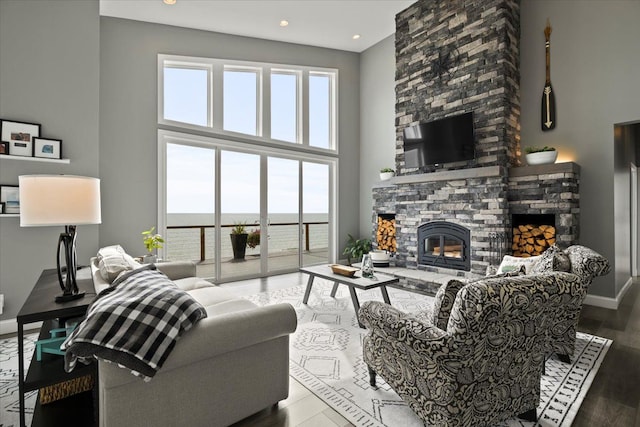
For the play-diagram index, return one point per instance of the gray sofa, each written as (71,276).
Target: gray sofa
(230,365)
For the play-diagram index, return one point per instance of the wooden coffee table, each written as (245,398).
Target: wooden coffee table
(324,272)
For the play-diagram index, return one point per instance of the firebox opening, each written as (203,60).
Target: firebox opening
(532,233)
(444,244)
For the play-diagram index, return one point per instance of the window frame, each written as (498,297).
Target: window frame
(216,68)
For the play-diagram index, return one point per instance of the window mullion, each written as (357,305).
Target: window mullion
(304,106)
(264,103)
(216,97)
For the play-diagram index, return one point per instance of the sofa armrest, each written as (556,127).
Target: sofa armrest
(396,325)
(214,336)
(177,269)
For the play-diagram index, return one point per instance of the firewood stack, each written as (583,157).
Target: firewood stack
(531,239)
(386,234)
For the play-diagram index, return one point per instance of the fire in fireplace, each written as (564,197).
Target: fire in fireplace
(444,244)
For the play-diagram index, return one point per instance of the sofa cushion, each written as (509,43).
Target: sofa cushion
(553,259)
(191,283)
(113,260)
(511,263)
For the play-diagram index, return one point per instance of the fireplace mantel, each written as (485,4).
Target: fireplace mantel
(447,175)
(566,167)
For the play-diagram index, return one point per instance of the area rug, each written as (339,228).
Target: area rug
(326,357)
(9,403)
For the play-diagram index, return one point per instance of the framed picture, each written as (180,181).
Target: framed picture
(10,196)
(47,148)
(4,147)
(1,207)
(20,136)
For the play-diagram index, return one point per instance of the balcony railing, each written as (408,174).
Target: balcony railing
(203,231)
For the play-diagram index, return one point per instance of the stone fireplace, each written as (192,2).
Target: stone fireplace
(456,57)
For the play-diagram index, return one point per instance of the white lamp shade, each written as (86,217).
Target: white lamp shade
(48,200)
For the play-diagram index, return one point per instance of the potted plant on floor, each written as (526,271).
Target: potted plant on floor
(152,241)
(541,155)
(239,241)
(355,248)
(253,239)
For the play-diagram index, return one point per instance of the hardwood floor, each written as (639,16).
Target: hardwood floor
(612,400)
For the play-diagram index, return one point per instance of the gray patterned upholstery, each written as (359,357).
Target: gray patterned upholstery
(486,365)
(585,263)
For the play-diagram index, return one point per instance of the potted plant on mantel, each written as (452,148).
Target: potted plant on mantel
(355,248)
(152,241)
(541,155)
(239,237)
(386,173)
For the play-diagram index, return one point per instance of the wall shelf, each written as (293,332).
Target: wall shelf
(35,159)
(10,215)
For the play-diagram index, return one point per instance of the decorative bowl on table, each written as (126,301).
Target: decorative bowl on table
(343,270)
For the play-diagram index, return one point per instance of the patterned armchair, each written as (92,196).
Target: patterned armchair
(580,260)
(485,366)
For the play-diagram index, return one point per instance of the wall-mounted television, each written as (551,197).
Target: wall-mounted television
(441,141)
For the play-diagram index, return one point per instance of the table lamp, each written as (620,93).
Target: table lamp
(67,200)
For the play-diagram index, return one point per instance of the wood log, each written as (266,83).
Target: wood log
(536,231)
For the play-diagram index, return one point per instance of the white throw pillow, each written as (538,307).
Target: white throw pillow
(510,263)
(113,260)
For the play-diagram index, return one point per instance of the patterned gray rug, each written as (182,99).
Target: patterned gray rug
(326,357)
(9,407)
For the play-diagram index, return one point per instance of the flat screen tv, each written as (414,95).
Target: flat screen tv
(441,141)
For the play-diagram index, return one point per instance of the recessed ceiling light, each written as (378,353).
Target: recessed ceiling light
(169,1)
(356,36)
(284,23)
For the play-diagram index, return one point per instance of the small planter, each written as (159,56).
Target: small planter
(239,245)
(386,175)
(149,259)
(542,157)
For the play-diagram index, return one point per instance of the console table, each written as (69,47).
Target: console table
(41,307)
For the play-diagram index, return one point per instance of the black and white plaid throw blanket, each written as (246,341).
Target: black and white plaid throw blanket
(134,323)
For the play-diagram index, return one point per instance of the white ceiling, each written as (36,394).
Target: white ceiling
(324,23)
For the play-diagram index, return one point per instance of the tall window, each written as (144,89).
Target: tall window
(186,94)
(251,145)
(257,101)
(240,101)
(284,106)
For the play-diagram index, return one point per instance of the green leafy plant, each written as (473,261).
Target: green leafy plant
(253,239)
(152,240)
(530,150)
(384,170)
(239,228)
(355,248)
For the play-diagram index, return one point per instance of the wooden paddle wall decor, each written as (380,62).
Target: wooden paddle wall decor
(548,117)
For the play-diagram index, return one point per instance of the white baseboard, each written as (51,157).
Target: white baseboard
(607,302)
(10,326)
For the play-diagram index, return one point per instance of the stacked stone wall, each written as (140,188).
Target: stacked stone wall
(459,56)
(549,189)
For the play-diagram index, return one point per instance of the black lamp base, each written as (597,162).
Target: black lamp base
(69,297)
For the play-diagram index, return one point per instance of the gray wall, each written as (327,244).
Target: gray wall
(595,56)
(128,121)
(49,74)
(377,122)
